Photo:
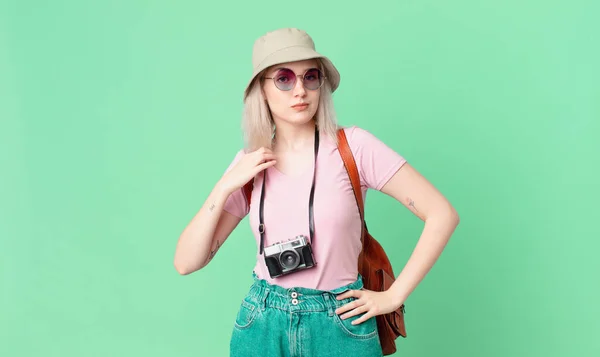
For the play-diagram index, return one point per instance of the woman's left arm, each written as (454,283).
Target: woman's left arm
(417,194)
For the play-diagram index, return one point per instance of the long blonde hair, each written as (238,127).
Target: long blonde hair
(257,122)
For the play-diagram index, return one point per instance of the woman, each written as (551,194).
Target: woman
(311,303)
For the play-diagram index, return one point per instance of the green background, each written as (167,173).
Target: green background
(117,118)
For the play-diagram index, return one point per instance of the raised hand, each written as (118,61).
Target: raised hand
(246,168)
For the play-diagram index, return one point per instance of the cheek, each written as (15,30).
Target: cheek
(276,99)
(317,96)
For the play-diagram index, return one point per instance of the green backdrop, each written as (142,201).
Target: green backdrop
(117,118)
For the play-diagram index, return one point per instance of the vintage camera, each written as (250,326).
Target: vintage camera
(290,256)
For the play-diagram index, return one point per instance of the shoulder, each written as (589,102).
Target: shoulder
(377,161)
(236,157)
(240,153)
(359,137)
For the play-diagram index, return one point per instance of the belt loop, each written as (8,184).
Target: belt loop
(263,301)
(328,303)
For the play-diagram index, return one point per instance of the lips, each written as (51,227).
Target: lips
(300,105)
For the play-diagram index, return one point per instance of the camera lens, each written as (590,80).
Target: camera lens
(289,259)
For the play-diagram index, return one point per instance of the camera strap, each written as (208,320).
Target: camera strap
(311,223)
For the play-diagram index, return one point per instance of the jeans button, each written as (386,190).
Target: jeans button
(294,295)
(294,301)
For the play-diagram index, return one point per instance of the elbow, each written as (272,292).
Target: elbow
(454,217)
(447,216)
(184,269)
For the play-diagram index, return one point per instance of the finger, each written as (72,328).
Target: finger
(349,306)
(263,157)
(349,294)
(363,318)
(265,165)
(264,150)
(359,310)
(267,157)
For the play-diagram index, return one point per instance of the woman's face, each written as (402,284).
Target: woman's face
(298,105)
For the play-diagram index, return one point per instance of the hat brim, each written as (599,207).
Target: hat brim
(293,54)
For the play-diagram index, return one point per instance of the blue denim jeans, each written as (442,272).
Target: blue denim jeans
(298,322)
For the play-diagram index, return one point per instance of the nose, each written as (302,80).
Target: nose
(299,89)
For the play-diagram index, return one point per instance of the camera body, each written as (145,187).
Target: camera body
(287,257)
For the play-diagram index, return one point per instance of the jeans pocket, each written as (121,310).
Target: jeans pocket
(246,314)
(364,330)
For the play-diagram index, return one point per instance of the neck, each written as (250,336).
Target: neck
(290,137)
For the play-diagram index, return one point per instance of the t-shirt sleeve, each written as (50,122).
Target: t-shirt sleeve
(376,161)
(236,202)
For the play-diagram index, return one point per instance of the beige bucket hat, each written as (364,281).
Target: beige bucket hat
(288,45)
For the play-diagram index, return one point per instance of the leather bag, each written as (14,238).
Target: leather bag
(373,263)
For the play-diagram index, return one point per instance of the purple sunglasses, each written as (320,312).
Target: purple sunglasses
(285,79)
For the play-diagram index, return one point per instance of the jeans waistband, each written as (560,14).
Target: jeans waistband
(299,299)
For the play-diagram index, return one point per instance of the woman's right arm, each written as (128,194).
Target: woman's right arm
(212,225)
(206,232)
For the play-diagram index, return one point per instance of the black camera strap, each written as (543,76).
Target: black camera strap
(311,223)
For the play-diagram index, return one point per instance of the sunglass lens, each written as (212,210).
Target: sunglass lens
(313,79)
(285,79)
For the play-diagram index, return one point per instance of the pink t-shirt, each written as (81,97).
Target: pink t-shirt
(337,221)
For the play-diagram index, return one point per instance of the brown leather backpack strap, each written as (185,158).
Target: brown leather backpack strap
(352,170)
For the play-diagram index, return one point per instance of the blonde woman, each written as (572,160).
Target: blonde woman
(307,298)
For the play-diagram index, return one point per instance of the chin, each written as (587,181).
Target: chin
(298,118)
(302,117)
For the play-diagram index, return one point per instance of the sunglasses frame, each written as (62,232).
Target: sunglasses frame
(301,78)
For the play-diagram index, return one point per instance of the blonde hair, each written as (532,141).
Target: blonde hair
(257,122)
